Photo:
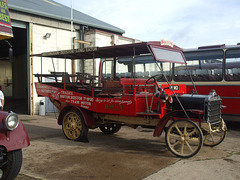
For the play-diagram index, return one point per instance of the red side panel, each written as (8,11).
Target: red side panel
(178,88)
(115,105)
(230,96)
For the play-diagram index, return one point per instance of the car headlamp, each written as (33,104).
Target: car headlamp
(163,97)
(11,121)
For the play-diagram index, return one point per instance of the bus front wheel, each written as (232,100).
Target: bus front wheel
(184,138)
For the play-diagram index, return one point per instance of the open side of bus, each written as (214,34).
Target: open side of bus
(87,101)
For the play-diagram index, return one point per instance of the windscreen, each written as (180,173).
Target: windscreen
(145,67)
(165,55)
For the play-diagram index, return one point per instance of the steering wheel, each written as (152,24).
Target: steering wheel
(154,79)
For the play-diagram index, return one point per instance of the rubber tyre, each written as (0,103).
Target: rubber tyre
(13,165)
(110,128)
(74,127)
(184,138)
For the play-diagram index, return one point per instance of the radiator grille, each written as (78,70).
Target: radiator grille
(214,111)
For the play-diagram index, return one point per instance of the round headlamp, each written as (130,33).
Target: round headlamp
(11,121)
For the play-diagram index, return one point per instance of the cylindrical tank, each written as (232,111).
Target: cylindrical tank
(42,108)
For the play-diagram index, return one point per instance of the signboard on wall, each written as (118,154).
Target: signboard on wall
(5,21)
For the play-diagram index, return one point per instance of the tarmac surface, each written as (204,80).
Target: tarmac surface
(129,154)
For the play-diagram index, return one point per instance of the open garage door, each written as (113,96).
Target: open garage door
(14,74)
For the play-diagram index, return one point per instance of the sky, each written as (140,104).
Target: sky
(188,23)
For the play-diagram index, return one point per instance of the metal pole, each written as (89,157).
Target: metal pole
(190,74)
(134,70)
(54,70)
(41,71)
(71,24)
(73,44)
(41,64)
(93,64)
(65,64)
(73,61)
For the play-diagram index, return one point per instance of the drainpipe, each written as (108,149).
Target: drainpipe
(31,108)
(73,61)
(73,45)
(82,33)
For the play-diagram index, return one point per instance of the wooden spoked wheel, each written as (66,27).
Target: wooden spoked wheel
(73,126)
(184,138)
(216,135)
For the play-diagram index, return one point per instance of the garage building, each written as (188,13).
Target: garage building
(42,26)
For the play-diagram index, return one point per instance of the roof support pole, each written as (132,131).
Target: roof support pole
(41,64)
(114,68)
(41,69)
(54,70)
(134,70)
(93,64)
(65,63)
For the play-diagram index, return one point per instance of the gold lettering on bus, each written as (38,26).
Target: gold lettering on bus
(113,106)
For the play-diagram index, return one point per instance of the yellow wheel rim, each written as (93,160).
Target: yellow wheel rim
(216,135)
(72,125)
(184,139)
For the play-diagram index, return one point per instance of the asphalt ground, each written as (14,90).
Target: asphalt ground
(129,154)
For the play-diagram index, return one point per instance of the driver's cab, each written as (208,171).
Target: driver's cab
(138,72)
(145,67)
(132,72)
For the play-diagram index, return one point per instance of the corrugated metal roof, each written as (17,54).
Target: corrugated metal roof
(54,10)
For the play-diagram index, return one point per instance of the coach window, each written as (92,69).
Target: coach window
(232,72)
(202,65)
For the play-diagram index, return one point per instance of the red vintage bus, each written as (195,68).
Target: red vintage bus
(214,67)
(121,96)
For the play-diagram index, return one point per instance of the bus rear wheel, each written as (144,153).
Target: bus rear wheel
(110,128)
(74,127)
